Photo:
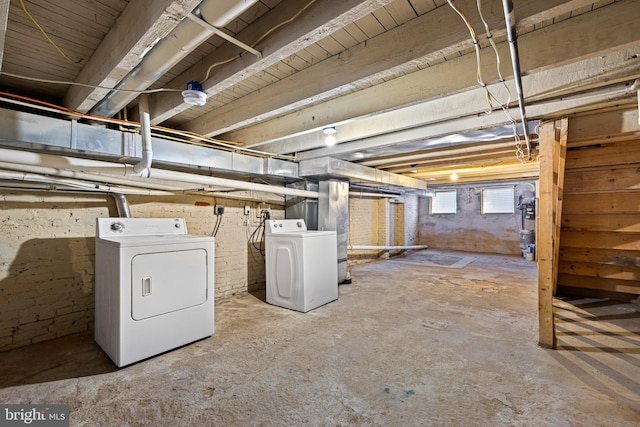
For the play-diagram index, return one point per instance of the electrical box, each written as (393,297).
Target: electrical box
(247,210)
(530,211)
(219,210)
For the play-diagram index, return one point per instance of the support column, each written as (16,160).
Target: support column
(553,143)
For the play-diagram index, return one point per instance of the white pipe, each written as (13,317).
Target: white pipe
(357,194)
(77,185)
(510,21)
(100,171)
(122,205)
(389,248)
(143,167)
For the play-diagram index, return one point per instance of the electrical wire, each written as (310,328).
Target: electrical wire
(262,37)
(46,36)
(476,45)
(259,233)
(216,227)
(504,106)
(62,82)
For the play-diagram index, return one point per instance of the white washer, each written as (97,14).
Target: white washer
(153,287)
(301,265)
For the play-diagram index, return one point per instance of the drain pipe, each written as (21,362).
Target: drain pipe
(510,21)
(143,167)
(122,205)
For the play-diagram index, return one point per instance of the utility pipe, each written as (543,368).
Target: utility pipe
(356,194)
(376,248)
(100,171)
(122,205)
(143,167)
(510,21)
(76,184)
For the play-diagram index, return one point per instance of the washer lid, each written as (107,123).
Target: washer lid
(156,240)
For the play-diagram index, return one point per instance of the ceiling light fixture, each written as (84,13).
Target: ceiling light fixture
(329,130)
(454,176)
(194,95)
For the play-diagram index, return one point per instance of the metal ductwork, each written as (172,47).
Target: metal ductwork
(327,168)
(166,53)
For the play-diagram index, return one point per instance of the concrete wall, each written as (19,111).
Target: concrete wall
(47,256)
(469,230)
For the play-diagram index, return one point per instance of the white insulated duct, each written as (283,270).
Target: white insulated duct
(165,54)
(116,173)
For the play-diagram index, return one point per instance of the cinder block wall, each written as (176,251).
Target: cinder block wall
(47,256)
(468,229)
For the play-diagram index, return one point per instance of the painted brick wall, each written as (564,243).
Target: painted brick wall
(368,225)
(47,251)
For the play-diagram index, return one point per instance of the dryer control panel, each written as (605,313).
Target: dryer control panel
(119,227)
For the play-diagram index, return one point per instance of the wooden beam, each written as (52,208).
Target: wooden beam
(609,179)
(412,88)
(316,23)
(560,155)
(595,128)
(460,161)
(597,283)
(620,223)
(481,172)
(4,17)
(139,27)
(552,137)
(422,40)
(438,117)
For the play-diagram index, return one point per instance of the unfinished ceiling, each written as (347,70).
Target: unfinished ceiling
(396,78)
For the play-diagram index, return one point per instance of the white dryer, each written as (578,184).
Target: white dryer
(301,265)
(153,287)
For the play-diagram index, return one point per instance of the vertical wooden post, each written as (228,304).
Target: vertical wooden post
(553,140)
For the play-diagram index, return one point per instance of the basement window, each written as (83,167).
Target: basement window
(498,200)
(444,202)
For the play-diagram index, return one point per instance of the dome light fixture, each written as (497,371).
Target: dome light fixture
(329,130)
(194,95)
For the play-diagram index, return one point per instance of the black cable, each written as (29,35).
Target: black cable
(215,233)
(216,226)
(259,232)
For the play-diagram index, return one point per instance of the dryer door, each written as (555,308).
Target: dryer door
(163,282)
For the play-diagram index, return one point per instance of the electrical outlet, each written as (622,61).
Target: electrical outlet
(219,210)
(247,210)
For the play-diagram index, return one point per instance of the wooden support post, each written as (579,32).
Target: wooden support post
(553,142)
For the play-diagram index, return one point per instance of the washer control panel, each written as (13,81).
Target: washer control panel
(274,226)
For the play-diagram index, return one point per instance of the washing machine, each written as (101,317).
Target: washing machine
(153,287)
(301,265)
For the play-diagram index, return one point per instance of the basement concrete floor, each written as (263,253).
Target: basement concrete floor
(431,338)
